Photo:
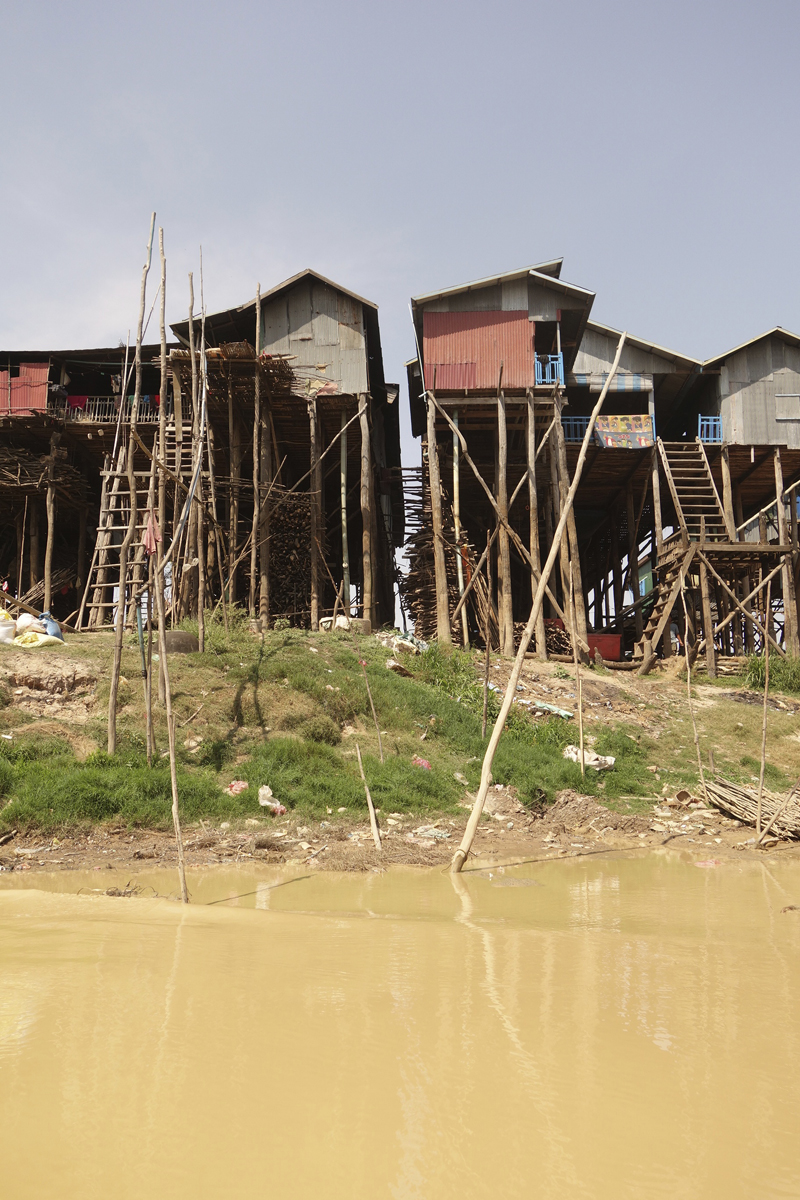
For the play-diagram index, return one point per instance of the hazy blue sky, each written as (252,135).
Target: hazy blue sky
(398,148)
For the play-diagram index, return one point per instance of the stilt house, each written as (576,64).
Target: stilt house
(688,464)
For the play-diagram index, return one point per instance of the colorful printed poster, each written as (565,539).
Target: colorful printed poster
(633,431)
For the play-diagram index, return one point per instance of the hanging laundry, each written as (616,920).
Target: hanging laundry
(152,534)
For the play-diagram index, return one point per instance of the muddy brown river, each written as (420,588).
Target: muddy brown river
(592,1028)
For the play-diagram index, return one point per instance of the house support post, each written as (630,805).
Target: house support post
(343,507)
(790,637)
(256,463)
(367,549)
(506,608)
(264,515)
(574,558)
(657,520)
(533,512)
(316,505)
(50,504)
(727,494)
(633,557)
(457,524)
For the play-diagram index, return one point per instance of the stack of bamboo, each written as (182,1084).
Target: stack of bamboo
(742,804)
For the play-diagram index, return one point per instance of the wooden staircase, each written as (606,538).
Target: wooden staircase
(697,505)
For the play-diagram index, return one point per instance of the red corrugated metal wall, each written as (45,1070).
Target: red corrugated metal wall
(28,389)
(466,349)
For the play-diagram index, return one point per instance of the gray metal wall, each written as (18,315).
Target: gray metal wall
(324,329)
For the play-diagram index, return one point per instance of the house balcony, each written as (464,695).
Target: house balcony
(102,410)
(709,430)
(549,369)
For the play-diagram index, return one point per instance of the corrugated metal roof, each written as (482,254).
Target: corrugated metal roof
(791,338)
(467,348)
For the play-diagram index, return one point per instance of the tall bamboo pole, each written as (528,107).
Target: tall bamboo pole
(128,539)
(265,517)
(256,460)
(463,850)
(790,635)
(578,680)
(148,672)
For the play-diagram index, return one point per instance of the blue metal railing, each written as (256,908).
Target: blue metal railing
(550,368)
(709,429)
(574,427)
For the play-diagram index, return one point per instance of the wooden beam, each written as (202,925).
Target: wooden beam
(705,604)
(50,505)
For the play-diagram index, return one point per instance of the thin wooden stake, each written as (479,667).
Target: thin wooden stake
(764,719)
(460,856)
(689,689)
(373,819)
(256,461)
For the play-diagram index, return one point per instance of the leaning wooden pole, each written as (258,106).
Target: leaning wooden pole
(162,407)
(463,850)
(129,535)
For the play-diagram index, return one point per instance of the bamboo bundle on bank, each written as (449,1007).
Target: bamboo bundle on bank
(742,804)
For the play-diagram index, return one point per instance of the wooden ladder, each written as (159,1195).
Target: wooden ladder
(693,491)
(98,598)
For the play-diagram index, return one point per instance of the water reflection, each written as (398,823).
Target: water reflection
(615,1028)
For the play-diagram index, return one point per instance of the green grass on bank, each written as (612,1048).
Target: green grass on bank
(288,713)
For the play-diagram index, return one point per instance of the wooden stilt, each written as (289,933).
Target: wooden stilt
(440,567)
(505,597)
(265,515)
(34,555)
(633,557)
(343,511)
(727,494)
(316,499)
(533,512)
(20,524)
(80,580)
(616,561)
(790,634)
(656,483)
(366,515)
(50,505)
(256,462)
(572,533)
(708,624)
(764,723)
(234,451)
(457,525)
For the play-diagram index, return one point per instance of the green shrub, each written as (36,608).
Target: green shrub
(321,729)
(784,673)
